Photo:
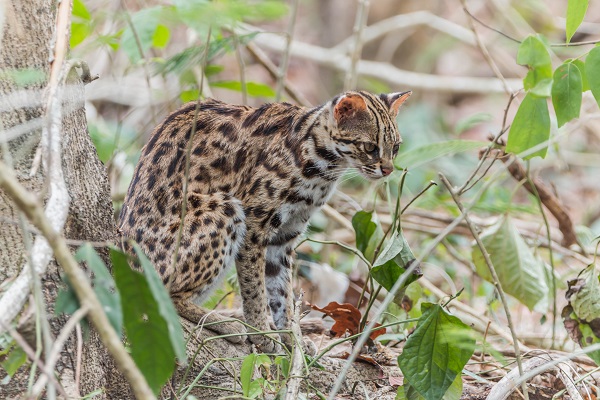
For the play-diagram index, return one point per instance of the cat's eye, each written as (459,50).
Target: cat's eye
(395,149)
(370,147)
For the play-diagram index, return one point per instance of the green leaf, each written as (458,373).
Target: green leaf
(165,305)
(520,273)
(104,285)
(566,93)
(592,70)
(575,12)
(80,10)
(368,233)
(147,331)
(464,124)
(14,360)
(414,158)
(246,372)
(585,86)
(393,247)
(407,392)
(534,54)
(161,36)
(189,95)
(530,127)
(435,354)
(252,88)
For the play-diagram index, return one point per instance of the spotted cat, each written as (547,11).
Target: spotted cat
(256,175)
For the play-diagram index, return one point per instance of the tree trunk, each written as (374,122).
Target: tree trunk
(26,45)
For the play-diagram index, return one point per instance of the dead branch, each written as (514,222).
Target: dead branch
(333,58)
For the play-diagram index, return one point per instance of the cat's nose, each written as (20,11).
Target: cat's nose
(386,170)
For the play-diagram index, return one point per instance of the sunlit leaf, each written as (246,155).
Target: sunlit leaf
(566,93)
(592,70)
(14,360)
(246,372)
(530,127)
(161,36)
(436,352)
(253,89)
(521,274)
(575,12)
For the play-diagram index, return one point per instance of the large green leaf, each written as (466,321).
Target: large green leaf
(530,127)
(435,354)
(521,274)
(147,331)
(368,233)
(104,285)
(408,392)
(575,12)
(14,360)
(592,70)
(566,92)
(80,23)
(534,54)
(414,158)
(165,305)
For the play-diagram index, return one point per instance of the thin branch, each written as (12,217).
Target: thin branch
(334,59)
(271,68)
(20,340)
(359,26)
(293,386)
(484,51)
(64,334)
(32,207)
(496,281)
(242,67)
(585,43)
(286,53)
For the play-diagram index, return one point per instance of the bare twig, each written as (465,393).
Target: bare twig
(496,281)
(57,347)
(286,53)
(585,43)
(359,26)
(20,340)
(293,385)
(484,51)
(271,68)
(32,207)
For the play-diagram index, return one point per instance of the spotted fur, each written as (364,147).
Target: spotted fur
(256,175)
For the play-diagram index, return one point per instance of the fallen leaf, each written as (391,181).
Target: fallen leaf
(347,319)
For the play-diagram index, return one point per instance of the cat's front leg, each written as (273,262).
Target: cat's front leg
(278,279)
(251,277)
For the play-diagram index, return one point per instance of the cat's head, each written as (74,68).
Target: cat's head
(365,132)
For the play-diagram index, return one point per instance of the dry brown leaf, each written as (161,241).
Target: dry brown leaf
(347,319)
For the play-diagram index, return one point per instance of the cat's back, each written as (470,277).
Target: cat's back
(224,141)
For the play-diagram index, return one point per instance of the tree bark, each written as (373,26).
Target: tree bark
(26,45)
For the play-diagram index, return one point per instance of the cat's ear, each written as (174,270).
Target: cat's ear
(395,100)
(348,106)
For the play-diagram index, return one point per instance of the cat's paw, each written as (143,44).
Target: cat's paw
(266,343)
